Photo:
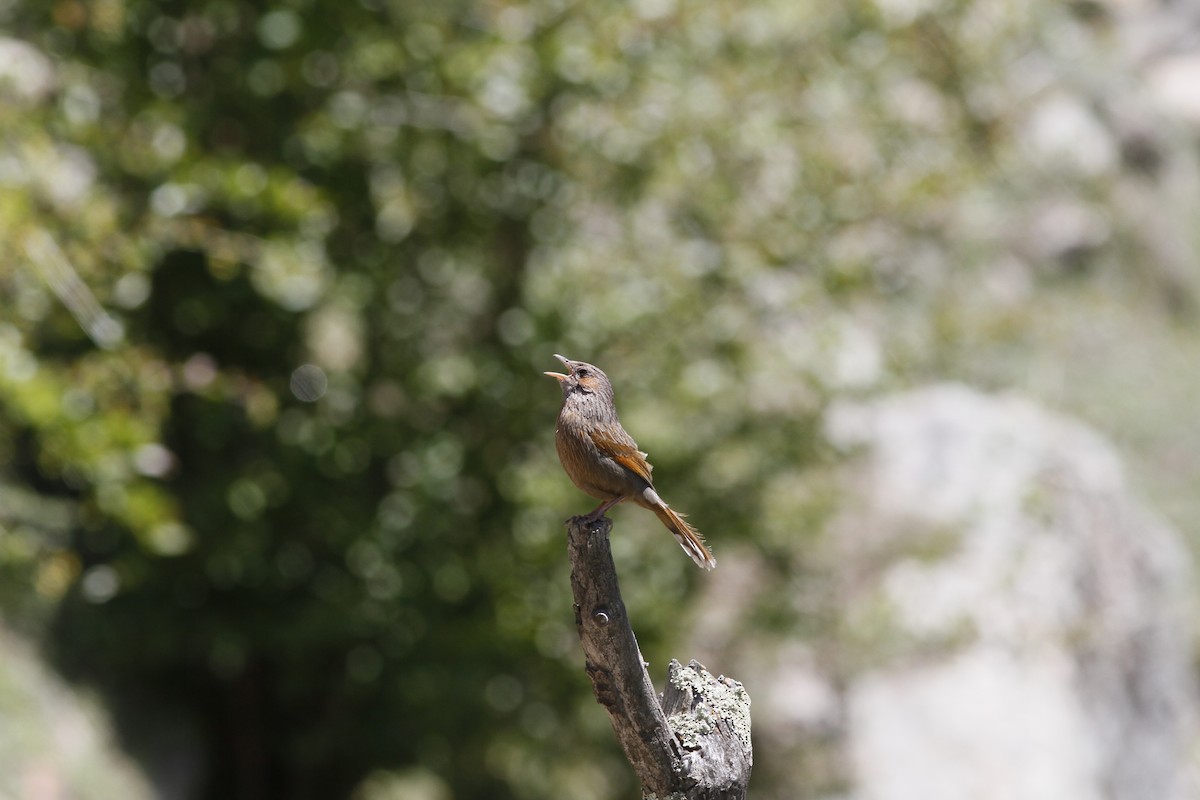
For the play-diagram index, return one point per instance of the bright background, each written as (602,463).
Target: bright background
(277,479)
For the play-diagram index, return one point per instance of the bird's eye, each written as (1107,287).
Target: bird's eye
(582,372)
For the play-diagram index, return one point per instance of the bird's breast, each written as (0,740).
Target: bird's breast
(591,470)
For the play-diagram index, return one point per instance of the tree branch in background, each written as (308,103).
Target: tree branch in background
(694,741)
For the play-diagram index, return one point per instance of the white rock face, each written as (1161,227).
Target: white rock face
(984,723)
(1040,648)
(989,613)
(54,742)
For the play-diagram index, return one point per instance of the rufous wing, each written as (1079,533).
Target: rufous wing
(620,447)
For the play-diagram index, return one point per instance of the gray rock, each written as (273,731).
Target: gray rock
(1045,643)
(998,617)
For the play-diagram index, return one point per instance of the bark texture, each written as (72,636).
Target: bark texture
(693,741)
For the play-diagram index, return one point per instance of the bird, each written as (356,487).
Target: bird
(604,461)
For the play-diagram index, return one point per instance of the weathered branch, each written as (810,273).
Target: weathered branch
(694,741)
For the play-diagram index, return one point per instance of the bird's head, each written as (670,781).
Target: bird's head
(582,378)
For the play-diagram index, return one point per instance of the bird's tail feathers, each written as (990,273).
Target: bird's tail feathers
(688,537)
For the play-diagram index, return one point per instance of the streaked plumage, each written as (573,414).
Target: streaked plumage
(604,461)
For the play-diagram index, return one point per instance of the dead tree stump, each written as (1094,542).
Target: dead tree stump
(693,741)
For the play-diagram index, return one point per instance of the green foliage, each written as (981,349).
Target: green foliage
(283,276)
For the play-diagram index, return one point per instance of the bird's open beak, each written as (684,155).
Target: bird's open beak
(558,375)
